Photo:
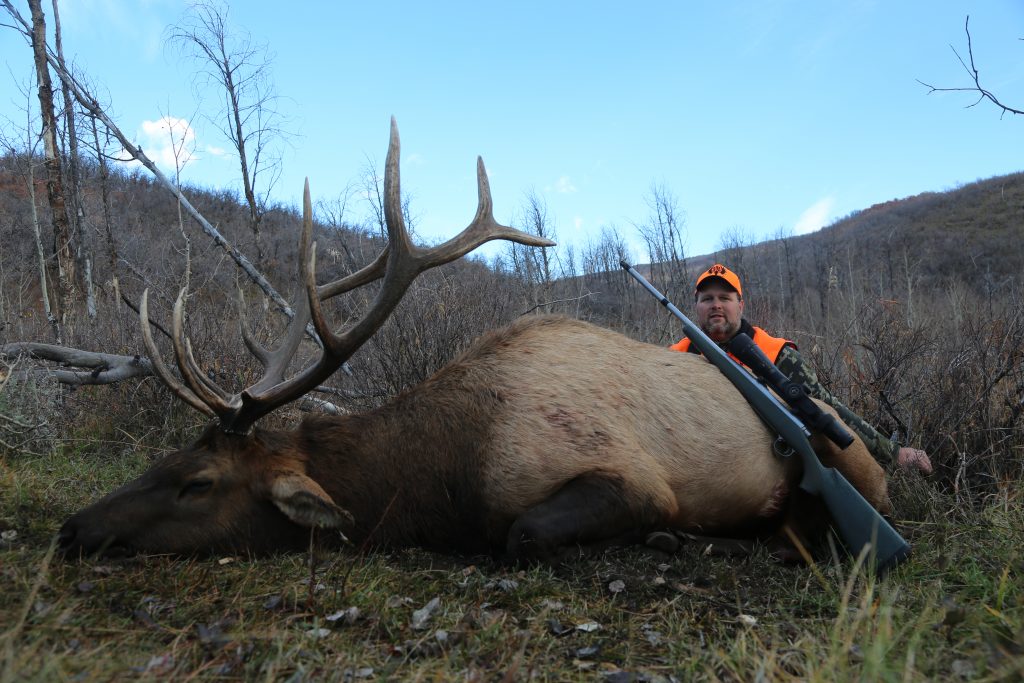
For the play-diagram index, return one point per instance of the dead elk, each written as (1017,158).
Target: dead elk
(544,435)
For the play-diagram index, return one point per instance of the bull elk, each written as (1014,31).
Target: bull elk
(543,436)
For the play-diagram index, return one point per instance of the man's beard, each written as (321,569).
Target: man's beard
(720,330)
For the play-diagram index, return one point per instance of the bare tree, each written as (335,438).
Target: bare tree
(373,194)
(536,268)
(66,272)
(977,88)
(786,281)
(248,115)
(732,247)
(613,297)
(356,240)
(664,233)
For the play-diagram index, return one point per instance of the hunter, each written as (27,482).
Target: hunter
(719,313)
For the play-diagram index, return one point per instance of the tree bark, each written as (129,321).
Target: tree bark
(40,251)
(97,368)
(66,271)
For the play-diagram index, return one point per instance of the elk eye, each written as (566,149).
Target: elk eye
(195,487)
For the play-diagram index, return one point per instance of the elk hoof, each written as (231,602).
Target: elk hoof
(665,541)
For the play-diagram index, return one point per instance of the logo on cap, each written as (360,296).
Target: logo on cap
(720,271)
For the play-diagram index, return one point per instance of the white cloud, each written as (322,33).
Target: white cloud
(564,185)
(170,142)
(815,216)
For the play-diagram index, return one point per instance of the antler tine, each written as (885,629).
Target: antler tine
(399,244)
(208,383)
(365,275)
(179,389)
(400,266)
(398,258)
(397,234)
(274,362)
(483,229)
(277,361)
(190,372)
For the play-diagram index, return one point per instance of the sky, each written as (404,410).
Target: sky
(758,117)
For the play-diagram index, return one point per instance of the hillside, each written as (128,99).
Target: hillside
(907,252)
(898,251)
(976,228)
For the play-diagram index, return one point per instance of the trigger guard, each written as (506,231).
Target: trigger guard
(781,448)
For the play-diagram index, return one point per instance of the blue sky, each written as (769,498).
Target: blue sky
(756,116)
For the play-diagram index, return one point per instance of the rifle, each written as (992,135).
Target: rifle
(859,524)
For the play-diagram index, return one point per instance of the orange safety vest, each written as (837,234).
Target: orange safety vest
(772,346)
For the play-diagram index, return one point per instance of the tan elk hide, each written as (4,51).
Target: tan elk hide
(543,436)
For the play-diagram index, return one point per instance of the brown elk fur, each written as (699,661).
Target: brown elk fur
(549,431)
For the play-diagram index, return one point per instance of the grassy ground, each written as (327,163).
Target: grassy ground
(953,612)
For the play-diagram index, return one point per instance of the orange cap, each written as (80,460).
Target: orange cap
(723,273)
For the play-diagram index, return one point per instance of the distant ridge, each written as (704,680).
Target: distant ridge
(977,228)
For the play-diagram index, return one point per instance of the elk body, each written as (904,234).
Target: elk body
(545,435)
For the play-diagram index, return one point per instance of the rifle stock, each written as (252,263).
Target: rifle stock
(859,525)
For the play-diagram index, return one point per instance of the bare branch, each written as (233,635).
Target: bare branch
(556,302)
(101,368)
(972,71)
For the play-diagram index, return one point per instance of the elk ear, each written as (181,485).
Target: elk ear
(305,503)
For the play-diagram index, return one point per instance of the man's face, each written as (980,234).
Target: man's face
(719,310)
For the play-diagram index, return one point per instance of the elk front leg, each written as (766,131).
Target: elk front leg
(589,509)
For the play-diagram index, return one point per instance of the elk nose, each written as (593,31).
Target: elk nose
(67,534)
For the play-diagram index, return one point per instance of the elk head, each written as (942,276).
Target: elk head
(243,488)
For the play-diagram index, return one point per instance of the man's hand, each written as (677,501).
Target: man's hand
(908,458)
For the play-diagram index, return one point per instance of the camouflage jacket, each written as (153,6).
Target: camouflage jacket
(792,365)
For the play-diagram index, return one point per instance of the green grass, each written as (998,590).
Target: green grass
(952,612)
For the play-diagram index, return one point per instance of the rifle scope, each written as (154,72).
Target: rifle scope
(793,393)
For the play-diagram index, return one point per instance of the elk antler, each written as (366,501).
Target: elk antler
(399,264)
(162,371)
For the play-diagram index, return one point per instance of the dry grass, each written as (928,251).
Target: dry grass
(952,612)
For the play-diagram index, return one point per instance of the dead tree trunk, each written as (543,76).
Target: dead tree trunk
(41,253)
(66,272)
